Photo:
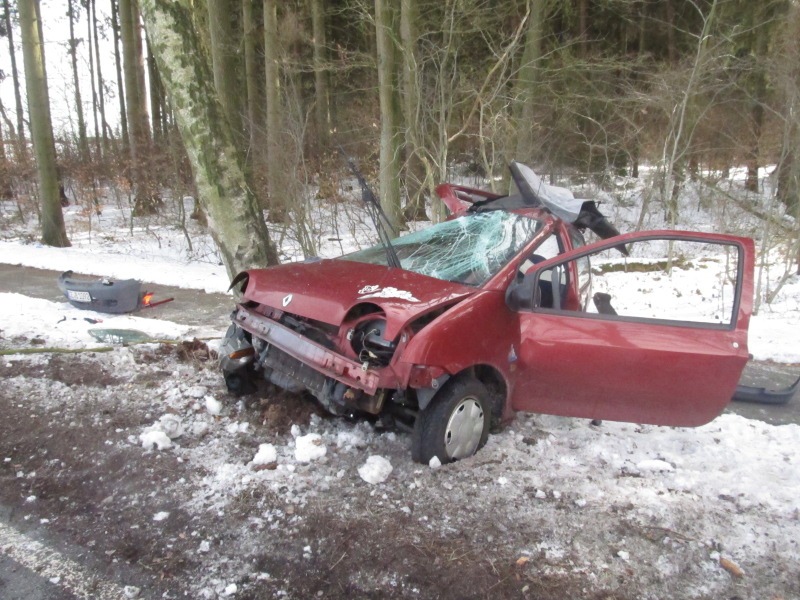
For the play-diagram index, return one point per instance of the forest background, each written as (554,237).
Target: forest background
(242,105)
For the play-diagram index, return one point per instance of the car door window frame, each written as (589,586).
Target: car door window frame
(538,270)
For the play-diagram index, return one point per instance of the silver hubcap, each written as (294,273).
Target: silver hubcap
(464,429)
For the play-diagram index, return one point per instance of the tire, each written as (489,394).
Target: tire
(241,382)
(454,425)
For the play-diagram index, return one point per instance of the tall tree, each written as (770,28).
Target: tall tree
(416,172)
(249,34)
(235,220)
(225,61)
(528,81)
(759,20)
(275,187)
(156,96)
(100,82)
(53,231)
(788,74)
(123,113)
(83,144)
(391,133)
(95,101)
(6,189)
(139,68)
(145,201)
(321,98)
(12,54)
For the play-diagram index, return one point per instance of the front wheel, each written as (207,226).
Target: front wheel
(456,423)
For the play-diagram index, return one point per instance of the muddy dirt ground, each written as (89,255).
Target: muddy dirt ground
(197,520)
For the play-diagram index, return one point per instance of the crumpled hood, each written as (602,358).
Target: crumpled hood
(326,290)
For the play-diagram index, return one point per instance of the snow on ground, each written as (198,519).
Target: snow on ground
(730,489)
(167,251)
(60,324)
(656,505)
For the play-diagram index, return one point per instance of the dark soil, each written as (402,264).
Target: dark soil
(70,426)
(99,494)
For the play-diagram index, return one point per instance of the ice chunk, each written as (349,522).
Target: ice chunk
(155,439)
(309,448)
(171,425)
(213,406)
(376,470)
(266,455)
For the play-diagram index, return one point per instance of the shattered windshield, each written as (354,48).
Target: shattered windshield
(468,250)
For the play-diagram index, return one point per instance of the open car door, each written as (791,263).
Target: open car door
(664,343)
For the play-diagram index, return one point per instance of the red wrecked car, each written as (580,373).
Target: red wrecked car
(449,330)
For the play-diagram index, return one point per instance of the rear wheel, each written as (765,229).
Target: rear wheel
(456,423)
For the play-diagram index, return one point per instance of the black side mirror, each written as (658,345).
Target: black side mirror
(520,294)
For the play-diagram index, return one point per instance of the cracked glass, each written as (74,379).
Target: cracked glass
(468,250)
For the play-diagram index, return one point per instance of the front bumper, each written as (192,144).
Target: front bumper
(331,364)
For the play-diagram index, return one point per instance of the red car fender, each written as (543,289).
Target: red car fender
(480,331)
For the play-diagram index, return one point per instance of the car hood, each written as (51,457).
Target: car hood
(326,290)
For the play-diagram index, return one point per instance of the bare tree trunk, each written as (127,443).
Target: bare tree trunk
(788,187)
(156,95)
(83,145)
(101,92)
(672,50)
(756,125)
(145,201)
(89,41)
(6,189)
(679,136)
(527,82)
(417,175)
(139,68)
(236,221)
(391,134)
(251,75)
(583,27)
(126,26)
(224,60)
(123,113)
(758,96)
(322,105)
(20,134)
(275,188)
(53,231)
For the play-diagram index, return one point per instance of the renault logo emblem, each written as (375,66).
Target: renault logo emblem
(286,300)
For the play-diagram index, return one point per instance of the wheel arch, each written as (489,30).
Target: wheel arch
(495,382)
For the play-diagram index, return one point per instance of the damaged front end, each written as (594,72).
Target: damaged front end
(283,352)
(350,362)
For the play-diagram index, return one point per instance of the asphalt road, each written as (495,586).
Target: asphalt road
(21,583)
(190,307)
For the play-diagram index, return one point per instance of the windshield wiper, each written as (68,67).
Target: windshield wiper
(379,218)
